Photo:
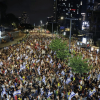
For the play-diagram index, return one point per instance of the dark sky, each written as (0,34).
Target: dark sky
(36,9)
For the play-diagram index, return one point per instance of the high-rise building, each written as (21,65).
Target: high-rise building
(24,18)
(67,9)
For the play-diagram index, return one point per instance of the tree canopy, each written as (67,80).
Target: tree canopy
(79,65)
(60,47)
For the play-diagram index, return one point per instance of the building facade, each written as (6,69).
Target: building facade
(24,18)
(67,9)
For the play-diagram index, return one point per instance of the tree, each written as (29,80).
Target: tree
(98,44)
(11,18)
(78,65)
(60,47)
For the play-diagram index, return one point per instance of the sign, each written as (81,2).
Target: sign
(62,27)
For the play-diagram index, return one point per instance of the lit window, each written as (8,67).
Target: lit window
(77,11)
(65,0)
(63,3)
(66,13)
(69,4)
(66,8)
(71,15)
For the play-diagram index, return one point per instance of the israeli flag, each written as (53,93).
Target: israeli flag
(98,77)
(17,92)
(51,61)
(20,78)
(38,70)
(59,65)
(5,71)
(3,92)
(71,75)
(92,92)
(49,94)
(43,80)
(37,61)
(42,91)
(26,57)
(63,73)
(11,71)
(89,77)
(1,63)
(71,95)
(68,80)
(18,58)
(48,55)
(22,67)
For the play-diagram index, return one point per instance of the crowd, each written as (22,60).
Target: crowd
(29,70)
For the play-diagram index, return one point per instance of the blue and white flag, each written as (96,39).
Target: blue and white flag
(71,75)
(42,91)
(68,80)
(51,61)
(37,61)
(49,94)
(59,65)
(98,77)
(17,92)
(71,95)
(38,70)
(89,77)
(43,80)
(92,92)
(1,63)
(63,73)
(20,78)
(22,67)
(26,57)
(3,92)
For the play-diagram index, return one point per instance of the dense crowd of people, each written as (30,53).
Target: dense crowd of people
(30,70)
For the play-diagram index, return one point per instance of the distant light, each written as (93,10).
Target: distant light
(0,34)
(64,33)
(92,48)
(62,17)
(73,9)
(84,40)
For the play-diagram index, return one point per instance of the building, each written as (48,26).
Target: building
(24,18)
(67,9)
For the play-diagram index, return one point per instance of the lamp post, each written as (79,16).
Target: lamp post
(70,30)
(41,25)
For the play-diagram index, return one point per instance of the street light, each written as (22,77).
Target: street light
(70,29)
(41,25)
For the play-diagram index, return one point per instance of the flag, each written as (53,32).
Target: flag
(22,67)
(68,80)
(1,63)
(63,73)
(49,94)
(51,61)
(17,92)
(26,57)
(38,70)
(59,65)
(37,61)
(71,95)
(98,77)
(91,92)
(42,91)
(89,77)
(43,80)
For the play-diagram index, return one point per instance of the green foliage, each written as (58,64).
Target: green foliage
(78,65)
(60,47)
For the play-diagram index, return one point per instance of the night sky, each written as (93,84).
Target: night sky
(36,9)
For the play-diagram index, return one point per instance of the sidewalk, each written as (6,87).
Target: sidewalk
(13,42)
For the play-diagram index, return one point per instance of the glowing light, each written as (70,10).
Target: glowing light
(84,40)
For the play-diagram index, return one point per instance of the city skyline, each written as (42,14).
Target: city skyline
(36,9)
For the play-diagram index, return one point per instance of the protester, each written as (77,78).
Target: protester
(29,70)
